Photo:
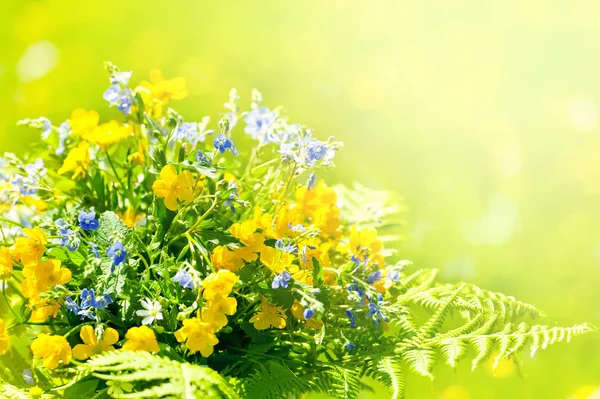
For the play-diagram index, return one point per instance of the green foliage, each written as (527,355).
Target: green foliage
(160,377)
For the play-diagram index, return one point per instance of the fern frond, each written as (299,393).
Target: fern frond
(163,377)
(420,360)
(437,320)
(274,381)
(8,391)
(390,374)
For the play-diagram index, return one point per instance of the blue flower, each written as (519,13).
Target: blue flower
(351,317)
(25,185)
(308,313)
(87,221)
(122,98)
(282,280)
(94,249)
(121,78)
(184,278)
(64,131)
(88,298)
(349,346)
(46,128)
(285,246)
(102,301)
(189,131)
(28,377)
(87,313)
(117,253)
(200,157)
(316,151)
(71,305)
(394,276)
(373,277)
(312,179)
(222,143)
(68,238)
(258,122)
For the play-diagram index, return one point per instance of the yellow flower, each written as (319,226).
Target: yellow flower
(52,349)
(269,316)
(77,161)
(216,310)
(131,218)
(277,260)
(43,276)
(6,266)
(173,187)
(36,392)
(246,233)
(286,217)
(157,93)
(83,122)
(31,249)
(138,157)
(39,204)
(365,243)
(3,338)
(218,284)
(91,345)
(108,133)
(224,258)
(198,336)
(141,339)
(319,205)
(43,309)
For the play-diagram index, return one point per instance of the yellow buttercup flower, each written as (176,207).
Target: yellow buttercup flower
(216,311)
(108,133)
(30,249)
(219,284)
(319,205)
(91,345)
(224,258)
(278,260)
(35,392)
(141,339)
(131,218)
(43,276)
(269,316)
(52,349)
(6,266)
(246,233)
(3,338)
(173,187)
(138,157)
(83,122)
(43,308)
(159,91)
(39,204)
(198,336)
(77,161)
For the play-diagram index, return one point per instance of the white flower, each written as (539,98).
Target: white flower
(151,311)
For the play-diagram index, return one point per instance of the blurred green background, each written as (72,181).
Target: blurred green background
(483,114)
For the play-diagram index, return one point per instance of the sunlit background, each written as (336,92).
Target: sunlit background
(484,115)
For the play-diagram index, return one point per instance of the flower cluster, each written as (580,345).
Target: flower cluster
(139,234)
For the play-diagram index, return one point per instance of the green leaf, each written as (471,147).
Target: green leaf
(82,389)
(111,230)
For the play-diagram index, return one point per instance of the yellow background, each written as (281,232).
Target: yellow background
(484,115)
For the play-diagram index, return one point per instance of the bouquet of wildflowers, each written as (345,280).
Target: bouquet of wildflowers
(146,257)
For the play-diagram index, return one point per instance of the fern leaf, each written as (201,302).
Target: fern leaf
(390,374)
(454,350)
(421,361)
(163,377)
(274,381)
